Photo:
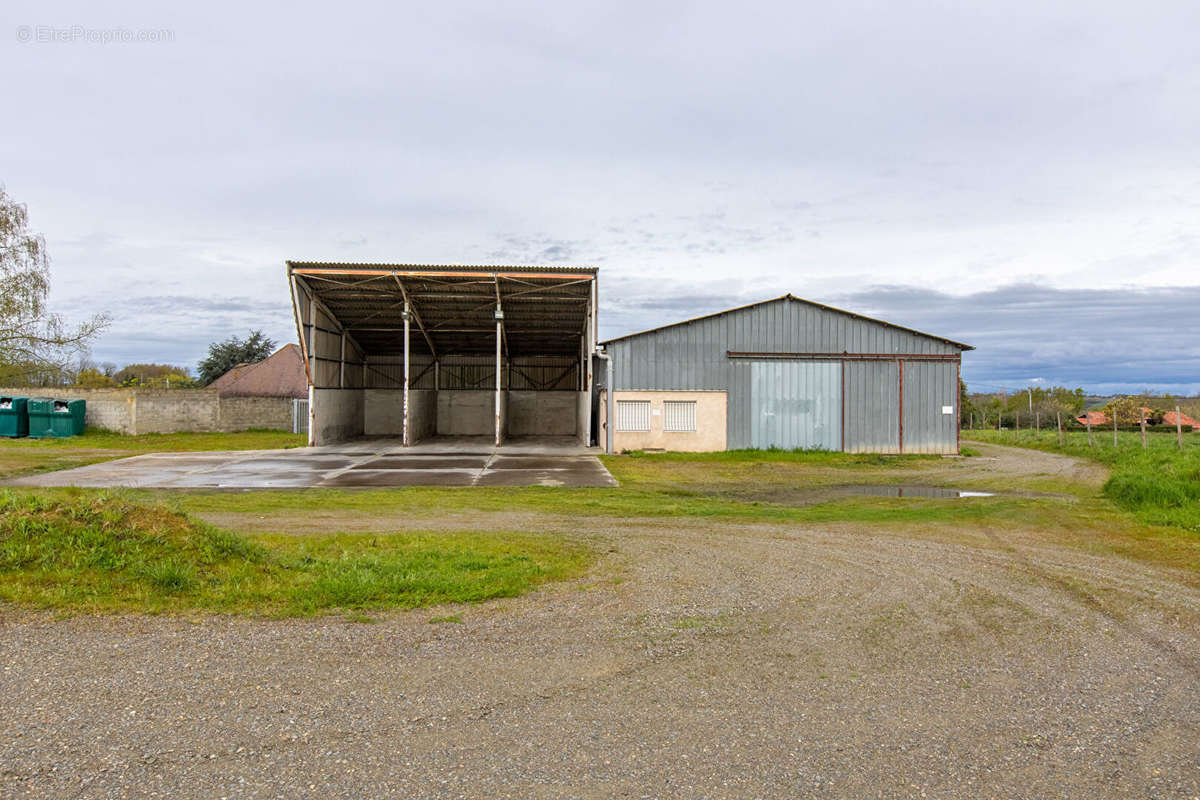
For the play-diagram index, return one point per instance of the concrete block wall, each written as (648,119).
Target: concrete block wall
(134,411)
(337,415)
(170,410)
(543,413)
(422,418)
(383,412)
(464,412)
(582,400)
(243,413)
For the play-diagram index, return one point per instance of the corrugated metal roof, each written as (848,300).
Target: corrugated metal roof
(792,297)
(355,266)
(546,309)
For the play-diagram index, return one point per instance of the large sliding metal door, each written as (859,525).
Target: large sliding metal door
(930,407)
(872,406)
(796,405)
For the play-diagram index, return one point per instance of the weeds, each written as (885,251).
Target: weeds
(1160,484)
(101,552)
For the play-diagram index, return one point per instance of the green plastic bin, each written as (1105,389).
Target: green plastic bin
(51,417)
(40,412)
(66,418)
(14,416)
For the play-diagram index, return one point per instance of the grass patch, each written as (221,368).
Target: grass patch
(1160,484)
(620,503)
(774,454)
(101,552)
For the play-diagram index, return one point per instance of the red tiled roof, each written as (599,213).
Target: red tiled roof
(1096,417)
(1184,420)
(280,374)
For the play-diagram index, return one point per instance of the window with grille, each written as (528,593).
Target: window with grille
(679,415)
(633,415)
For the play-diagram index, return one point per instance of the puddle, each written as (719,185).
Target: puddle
(929,492)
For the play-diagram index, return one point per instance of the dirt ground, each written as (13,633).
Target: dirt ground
(697,660)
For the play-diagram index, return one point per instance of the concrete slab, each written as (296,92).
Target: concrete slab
(395,478)
(378,463)
(538,477)
(429,462)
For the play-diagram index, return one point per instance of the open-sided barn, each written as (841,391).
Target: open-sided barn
(418,352)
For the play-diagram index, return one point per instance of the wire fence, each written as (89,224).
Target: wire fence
(1098,426)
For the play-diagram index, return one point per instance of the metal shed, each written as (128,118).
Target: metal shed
(786,373)
(421,351)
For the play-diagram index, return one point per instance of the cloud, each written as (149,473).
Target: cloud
(703,159)
(1112,340)
(179,328)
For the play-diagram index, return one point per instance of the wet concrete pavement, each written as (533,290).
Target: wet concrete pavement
(367,463)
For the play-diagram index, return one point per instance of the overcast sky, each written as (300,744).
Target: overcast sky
(1021,176)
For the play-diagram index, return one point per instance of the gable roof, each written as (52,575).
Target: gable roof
(280,374)
(792,297)
(1184,420)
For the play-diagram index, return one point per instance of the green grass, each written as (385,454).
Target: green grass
(30,456)
(309,553)
(96,551)
(1160,484)
(618,503)
(777,455)
(1094,525)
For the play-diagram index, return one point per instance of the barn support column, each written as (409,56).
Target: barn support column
(312,336)
(407,438)
(342,364)
(499,335)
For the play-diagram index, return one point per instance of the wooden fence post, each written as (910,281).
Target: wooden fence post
(1058,415)
(1087,415)
(1114,427)
(1037,421)
(1017,419)
(1142,414)
(1178,428)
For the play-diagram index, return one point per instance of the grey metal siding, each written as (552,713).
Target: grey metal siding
(693,356)
(872,407)
(928,387)
(796,404)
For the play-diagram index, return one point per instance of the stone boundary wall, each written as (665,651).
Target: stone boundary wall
(134,411)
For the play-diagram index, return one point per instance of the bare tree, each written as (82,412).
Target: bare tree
(33,340)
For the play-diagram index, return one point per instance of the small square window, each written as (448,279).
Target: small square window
(679,416)
(633,415)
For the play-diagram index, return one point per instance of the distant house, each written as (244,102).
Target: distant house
(280,374)
(1099,418)
(1184,420)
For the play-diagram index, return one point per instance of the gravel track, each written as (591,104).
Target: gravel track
(699,660)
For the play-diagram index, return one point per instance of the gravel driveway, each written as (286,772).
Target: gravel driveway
(699,660)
